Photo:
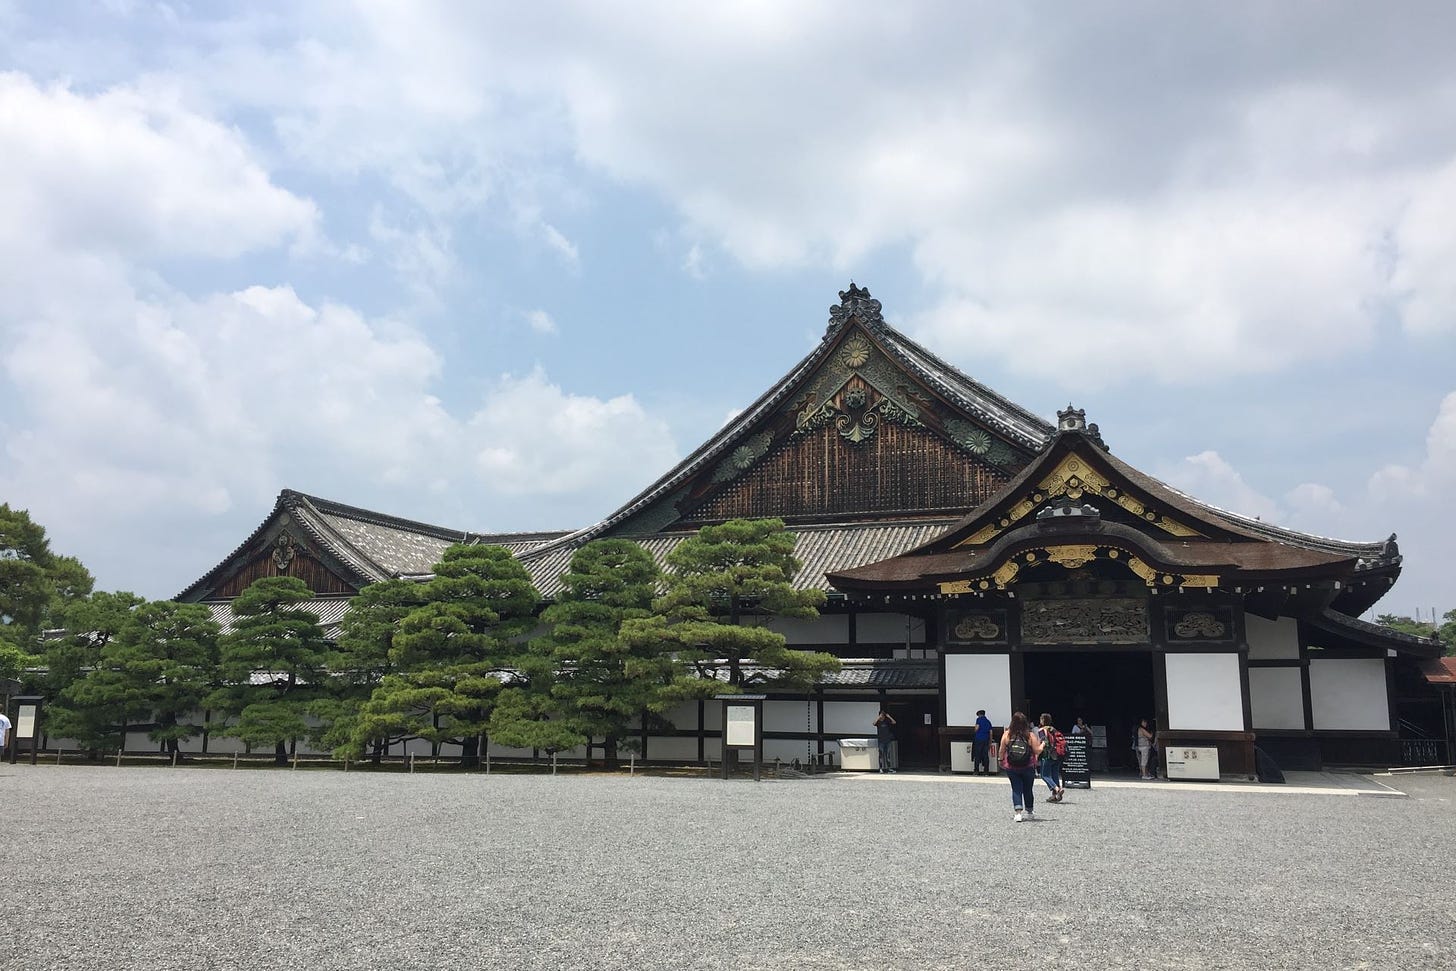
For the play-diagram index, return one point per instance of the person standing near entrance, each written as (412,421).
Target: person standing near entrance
(1020,748)
(1053,747)
(1144,745)
(885,737)
(981,745)
(4,732)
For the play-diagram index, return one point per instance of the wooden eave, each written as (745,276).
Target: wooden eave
(1342,630)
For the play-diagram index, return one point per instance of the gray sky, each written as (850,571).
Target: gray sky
(497,266)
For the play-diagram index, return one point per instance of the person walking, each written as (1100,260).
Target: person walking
(1144,745)
(885,737)
(4,732)
(1020,747)
(981,745)
(1053,748)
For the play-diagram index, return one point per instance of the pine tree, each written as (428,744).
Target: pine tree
(455,653)
(593,680)
(742,570)
(361,661)
(273,662)
(36,588)
(90,703)
(168,659)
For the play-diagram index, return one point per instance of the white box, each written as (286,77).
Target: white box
(1193,763)
(859,753)
(960,757)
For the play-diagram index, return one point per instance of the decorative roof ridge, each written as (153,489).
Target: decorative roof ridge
(330,507)
(330,539)
(1377,550)
(279,505)
(1037,431)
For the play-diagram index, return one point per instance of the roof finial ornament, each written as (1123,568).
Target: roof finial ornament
(1075,420)
(855,302)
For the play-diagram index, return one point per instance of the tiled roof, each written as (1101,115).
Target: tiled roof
(330,612)
(820,549)
(882,673)
(401,547)
(1439,670)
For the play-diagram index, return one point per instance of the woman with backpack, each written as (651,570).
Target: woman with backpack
(1020,747)
(1053,748)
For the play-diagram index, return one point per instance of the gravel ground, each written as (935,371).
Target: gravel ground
(161,868)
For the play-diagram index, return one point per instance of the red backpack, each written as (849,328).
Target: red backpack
(1058,742)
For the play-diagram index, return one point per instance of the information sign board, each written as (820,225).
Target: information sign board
(1076,771)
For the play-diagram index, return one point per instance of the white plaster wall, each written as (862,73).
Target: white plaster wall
(683,716)
(829,629)
(1272,640)
(887,629)
(1348,694)
(789,716)
(1204,693)
(672,747)
(1276,698)
(850,718)
(975,681)
(788,749)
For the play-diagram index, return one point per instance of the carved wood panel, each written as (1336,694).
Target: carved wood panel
(304,565)
(899,469)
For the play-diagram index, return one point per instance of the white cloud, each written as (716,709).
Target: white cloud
(133,171)
(541,322)
(531,437)
(1209,477)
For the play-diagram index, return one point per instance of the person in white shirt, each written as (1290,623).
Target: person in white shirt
(4,732)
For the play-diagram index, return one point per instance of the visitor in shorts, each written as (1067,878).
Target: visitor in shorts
(1144,746)
(981,745)
(885,736)
(1049,764)
(1020,748)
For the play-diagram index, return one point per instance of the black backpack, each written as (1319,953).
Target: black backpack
(1018,752)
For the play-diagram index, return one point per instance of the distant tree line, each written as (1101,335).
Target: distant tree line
(1445,632)
(466,658)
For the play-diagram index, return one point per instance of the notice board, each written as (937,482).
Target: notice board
(1076,771)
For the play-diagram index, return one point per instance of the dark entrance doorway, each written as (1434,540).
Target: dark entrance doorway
(1109,688)
(919,741)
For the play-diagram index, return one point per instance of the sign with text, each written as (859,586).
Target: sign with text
(25,721)
(1076,772)
(739,724)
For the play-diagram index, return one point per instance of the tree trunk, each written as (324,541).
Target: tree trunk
(609,753)
(280,753)
(378,755)
(470,751)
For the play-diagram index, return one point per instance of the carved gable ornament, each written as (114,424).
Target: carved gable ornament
(283,552)
(1075,478)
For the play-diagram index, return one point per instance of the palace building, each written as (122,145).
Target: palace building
(974,556)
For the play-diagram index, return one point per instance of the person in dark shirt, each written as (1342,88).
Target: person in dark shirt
(885,735)
(981,745)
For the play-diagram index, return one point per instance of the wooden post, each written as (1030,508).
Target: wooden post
(235,758)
